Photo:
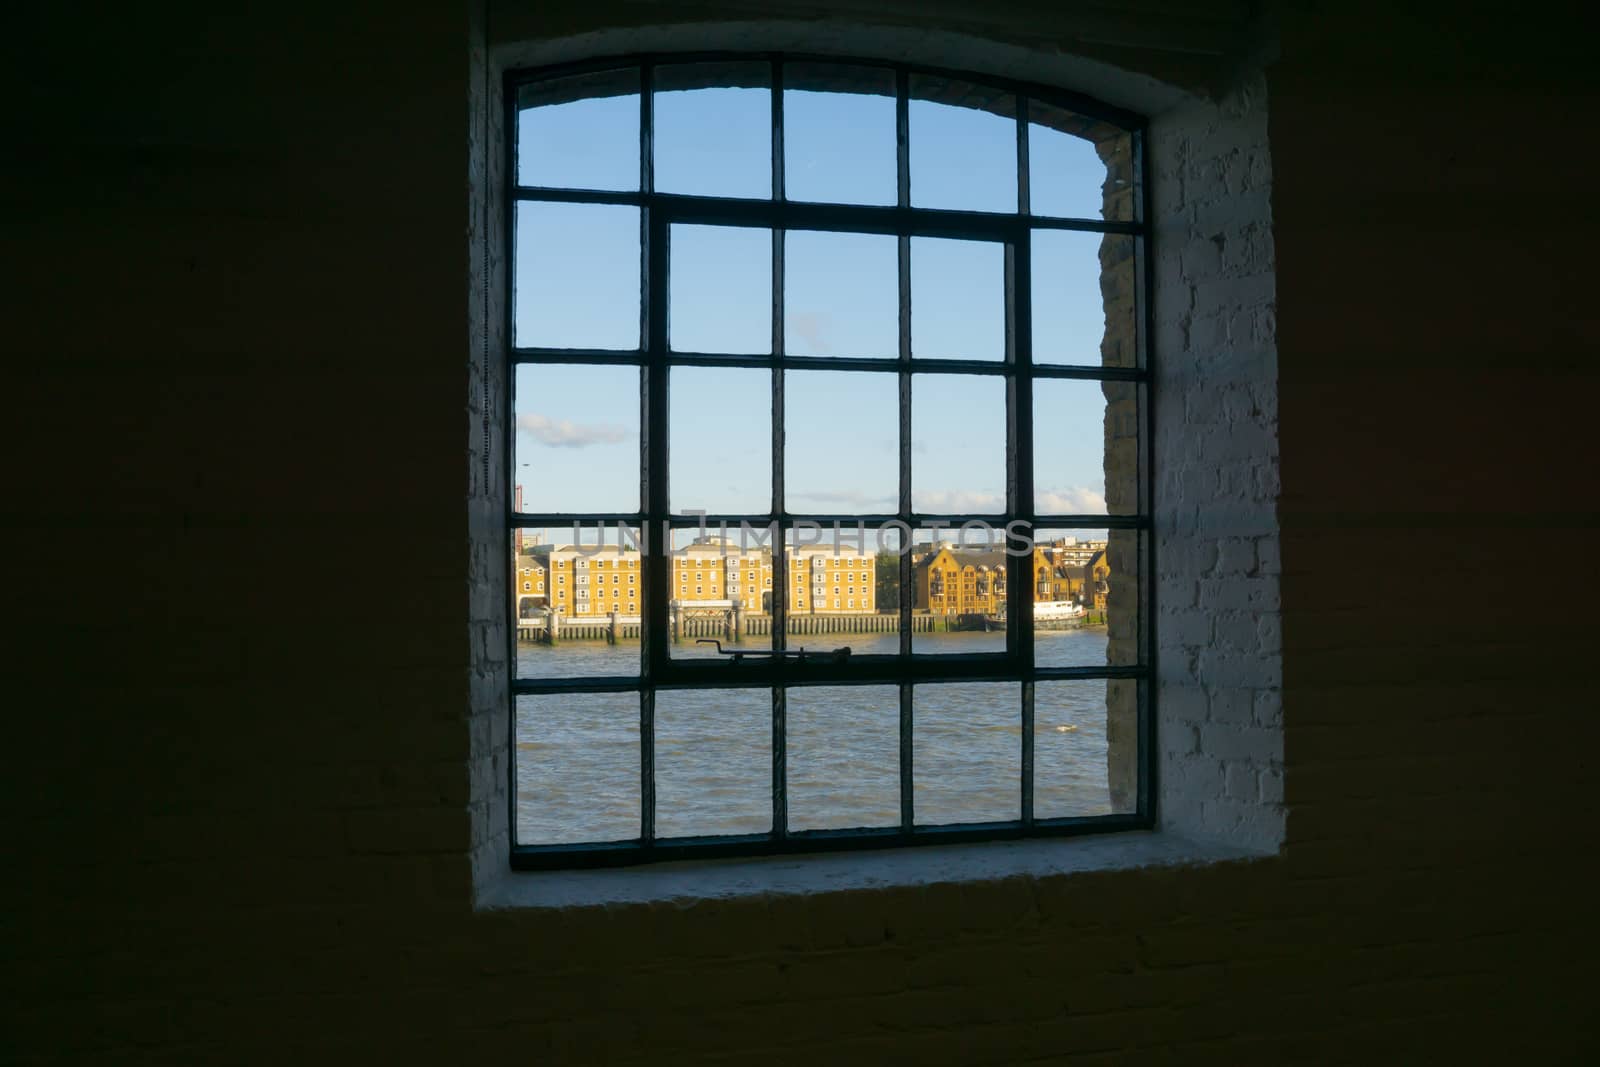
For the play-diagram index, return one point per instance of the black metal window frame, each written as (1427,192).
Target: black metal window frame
(658,669)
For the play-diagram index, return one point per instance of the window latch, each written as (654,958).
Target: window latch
(799,655)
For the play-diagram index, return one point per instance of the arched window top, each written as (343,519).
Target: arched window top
(1029,149)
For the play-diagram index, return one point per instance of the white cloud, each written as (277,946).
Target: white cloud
(1077,500)
(810,327)
(851,497)
(564,433)
(957,501)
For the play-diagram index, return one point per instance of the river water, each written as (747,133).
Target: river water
(578,754)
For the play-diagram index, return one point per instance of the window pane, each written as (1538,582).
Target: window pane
(1085,447)
(841,442)
(1083,291)
(1078,167)
(577,768)
(721,290)
(713,762)
(720,584)
(958,443)
(1070,775)
(963,146)
(839,134)
(577,443)
(721,440)
(841,294)
(833,592)
(959,587)
(1069,435)
(1068,627)
(886,547)
(958,299)
(967,752)
(580,133)
(713,129)
(579,604)
(576,280)
(843,757)
(1085,587)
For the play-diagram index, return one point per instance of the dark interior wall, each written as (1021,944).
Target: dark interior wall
(236,737)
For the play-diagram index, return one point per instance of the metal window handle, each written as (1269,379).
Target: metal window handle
(799,655)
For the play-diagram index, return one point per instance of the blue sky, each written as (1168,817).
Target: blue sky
(576,285)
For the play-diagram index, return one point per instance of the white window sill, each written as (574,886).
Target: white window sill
(844,871)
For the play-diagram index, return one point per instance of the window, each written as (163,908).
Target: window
(916,299)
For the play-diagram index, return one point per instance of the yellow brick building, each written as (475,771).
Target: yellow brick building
(578,583)
(824,580)
(1061,573)
(715,573)
(959,581)
(530,585)
(709,573)
(1097,581)
(951,581)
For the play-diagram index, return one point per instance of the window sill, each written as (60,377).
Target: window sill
(841,872)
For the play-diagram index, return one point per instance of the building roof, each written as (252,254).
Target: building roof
(969,557)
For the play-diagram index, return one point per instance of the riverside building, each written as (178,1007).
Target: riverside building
(823,580)
(949,580)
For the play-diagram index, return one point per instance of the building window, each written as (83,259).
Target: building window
(951,266)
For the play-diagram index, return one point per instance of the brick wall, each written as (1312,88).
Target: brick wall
(1219,624)
(236,794)
(1119,347)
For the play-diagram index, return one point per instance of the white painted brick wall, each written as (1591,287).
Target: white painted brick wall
(1218,631)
